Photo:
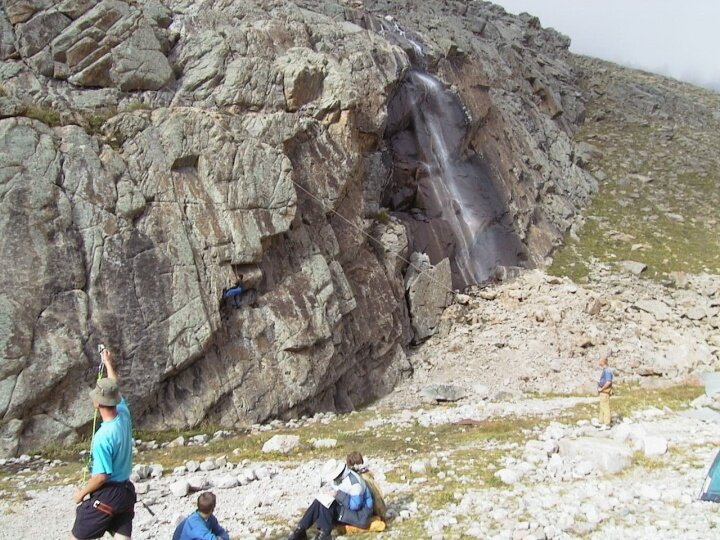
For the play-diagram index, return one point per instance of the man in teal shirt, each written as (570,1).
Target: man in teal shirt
(110,506)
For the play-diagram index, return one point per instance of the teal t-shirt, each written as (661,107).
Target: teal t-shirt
(112,446)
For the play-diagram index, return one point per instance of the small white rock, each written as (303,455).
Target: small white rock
(180,488)
(156,470)
(225,481)
(197,483)
(175,443)
(655,446)
(418,467)
(324,443)
(508,476)
(142,488)
(208,465)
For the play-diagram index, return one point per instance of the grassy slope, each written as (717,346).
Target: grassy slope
(669,222)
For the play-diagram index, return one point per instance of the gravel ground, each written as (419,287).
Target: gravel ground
(576,500)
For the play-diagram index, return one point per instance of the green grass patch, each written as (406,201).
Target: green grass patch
(639,459)
(632,399)
(96,121)
(628,400)
(382,216)
(137,106)
(46,115)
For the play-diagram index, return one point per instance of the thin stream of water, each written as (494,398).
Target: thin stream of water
(462,213)
(461,193)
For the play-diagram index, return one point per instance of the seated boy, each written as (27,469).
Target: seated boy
(201,525)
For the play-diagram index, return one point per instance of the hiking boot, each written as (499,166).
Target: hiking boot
(298,534)
(323,535)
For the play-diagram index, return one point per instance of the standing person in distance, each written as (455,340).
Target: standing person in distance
(604,392)
(110,503)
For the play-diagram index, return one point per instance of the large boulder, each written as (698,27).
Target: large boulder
(608,455)
(429,293)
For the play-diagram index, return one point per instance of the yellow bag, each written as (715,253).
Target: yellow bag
(376,525)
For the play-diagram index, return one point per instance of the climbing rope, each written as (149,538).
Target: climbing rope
(371,237)
(101,348)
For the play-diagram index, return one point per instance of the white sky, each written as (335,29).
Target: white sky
(672,37)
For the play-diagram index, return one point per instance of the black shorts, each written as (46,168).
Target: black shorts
(109,509)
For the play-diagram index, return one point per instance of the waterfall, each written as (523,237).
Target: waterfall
(444,187)
(443,190)
(454,192)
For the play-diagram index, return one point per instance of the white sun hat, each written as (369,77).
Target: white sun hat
(331,470)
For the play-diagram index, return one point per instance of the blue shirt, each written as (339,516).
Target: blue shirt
(194,527)
(112,446)
(233,291)
(605,376)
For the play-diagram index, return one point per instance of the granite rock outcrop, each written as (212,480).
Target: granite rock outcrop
(152,152)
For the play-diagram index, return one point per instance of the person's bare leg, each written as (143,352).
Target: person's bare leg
(117,536)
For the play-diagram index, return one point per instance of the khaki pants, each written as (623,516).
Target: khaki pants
(605,408)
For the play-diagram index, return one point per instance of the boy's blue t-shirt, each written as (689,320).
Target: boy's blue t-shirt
(605,377)
(194,527)
(112,446)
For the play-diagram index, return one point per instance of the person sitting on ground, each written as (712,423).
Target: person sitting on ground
(357,463)
(201,525)
(348,500)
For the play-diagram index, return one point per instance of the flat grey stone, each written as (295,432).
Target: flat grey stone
(712,383)
(608,455)
(660,310)
(634,267)
(703,413)
(443,392)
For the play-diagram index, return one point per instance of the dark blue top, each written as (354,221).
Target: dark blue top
(233,291)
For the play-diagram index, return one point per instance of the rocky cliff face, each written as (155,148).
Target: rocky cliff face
(150,152)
